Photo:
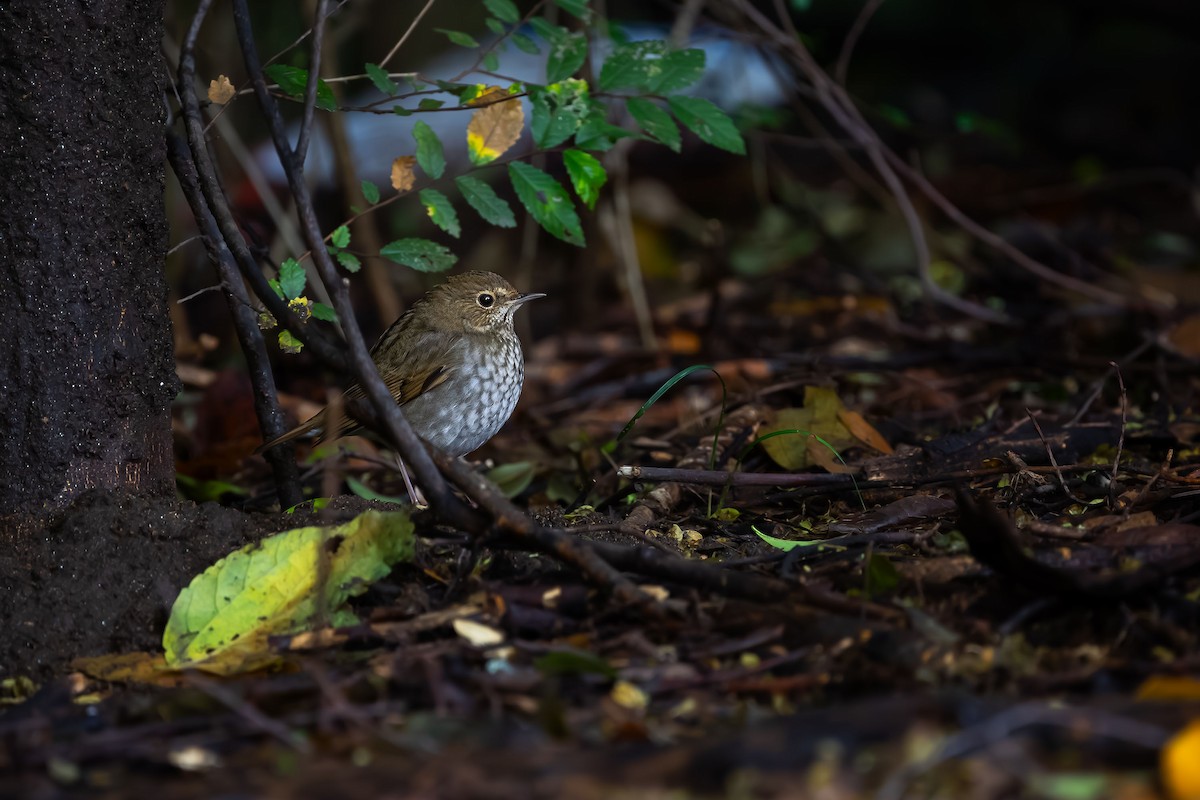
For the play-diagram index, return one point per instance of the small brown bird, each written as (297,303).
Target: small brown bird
(452,361)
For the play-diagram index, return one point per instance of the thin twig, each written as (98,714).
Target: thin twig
(362,367)
(717,477)
(258,363)
(1009,722)
(412,27)
(1062,481)
(314,79)
(841,107)
(1002,245)
(230,699)
(214,197)
(838,104)
(856,30)
(1098,386)
(1112,484)
(562,544)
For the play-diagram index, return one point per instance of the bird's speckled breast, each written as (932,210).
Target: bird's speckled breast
(475,401)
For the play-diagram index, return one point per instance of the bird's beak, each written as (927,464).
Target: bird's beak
(525,298)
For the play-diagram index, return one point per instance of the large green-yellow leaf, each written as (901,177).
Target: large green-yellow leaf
(795,446)
(221,622)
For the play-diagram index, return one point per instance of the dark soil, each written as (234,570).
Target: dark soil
(102,577)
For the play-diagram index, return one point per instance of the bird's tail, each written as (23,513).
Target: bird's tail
(314,423)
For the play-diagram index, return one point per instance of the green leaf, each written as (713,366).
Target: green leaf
(293,80)
(596,132)
(656,122)
(292,279)
(340,237)
(289,343)
(512,479)
(504,10)
(494,25)
(459,90)
(206,491)
(420,254)
(524,43)
(676,70)
(459,38)
(367,493)
(430,155)
(349,261)
(633,65)
(784,544)
(223,620)
(491,61)
(547,201)
(486,202)
(383,82)
(558,111)
(441,211)
(881,575)
(548,30)
(574,662)
(401,111)
(370,192)
(324,313)
(587,175)
(566,55)
(576,8)
(652,67)
(274,284)
(708,122)
(430,104)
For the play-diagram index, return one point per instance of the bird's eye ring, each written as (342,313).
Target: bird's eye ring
(485,300)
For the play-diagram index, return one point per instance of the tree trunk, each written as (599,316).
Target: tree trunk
(86,368)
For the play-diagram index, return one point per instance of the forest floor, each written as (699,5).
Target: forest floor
(1002,600)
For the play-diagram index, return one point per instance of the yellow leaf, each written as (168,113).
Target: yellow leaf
(222,621)
(818,417)
(221,91)
(861,429)
(1169,687)
(1179,764)
(495,127)
(403,174)
(627,695)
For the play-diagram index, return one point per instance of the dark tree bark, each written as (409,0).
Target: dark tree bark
(86,365)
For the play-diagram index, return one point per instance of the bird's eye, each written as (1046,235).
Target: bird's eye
(485,300)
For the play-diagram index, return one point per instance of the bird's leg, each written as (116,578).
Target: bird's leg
(414,494)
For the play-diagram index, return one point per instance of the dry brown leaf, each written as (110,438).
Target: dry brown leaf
(221,91)
(403,173)
(494,128)
(861,429)
(1184,338)
(148,668)
(821,456)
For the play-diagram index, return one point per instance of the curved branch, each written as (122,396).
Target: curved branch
(361,365)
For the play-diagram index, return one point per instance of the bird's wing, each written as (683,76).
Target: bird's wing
(406,384)
(432,350)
